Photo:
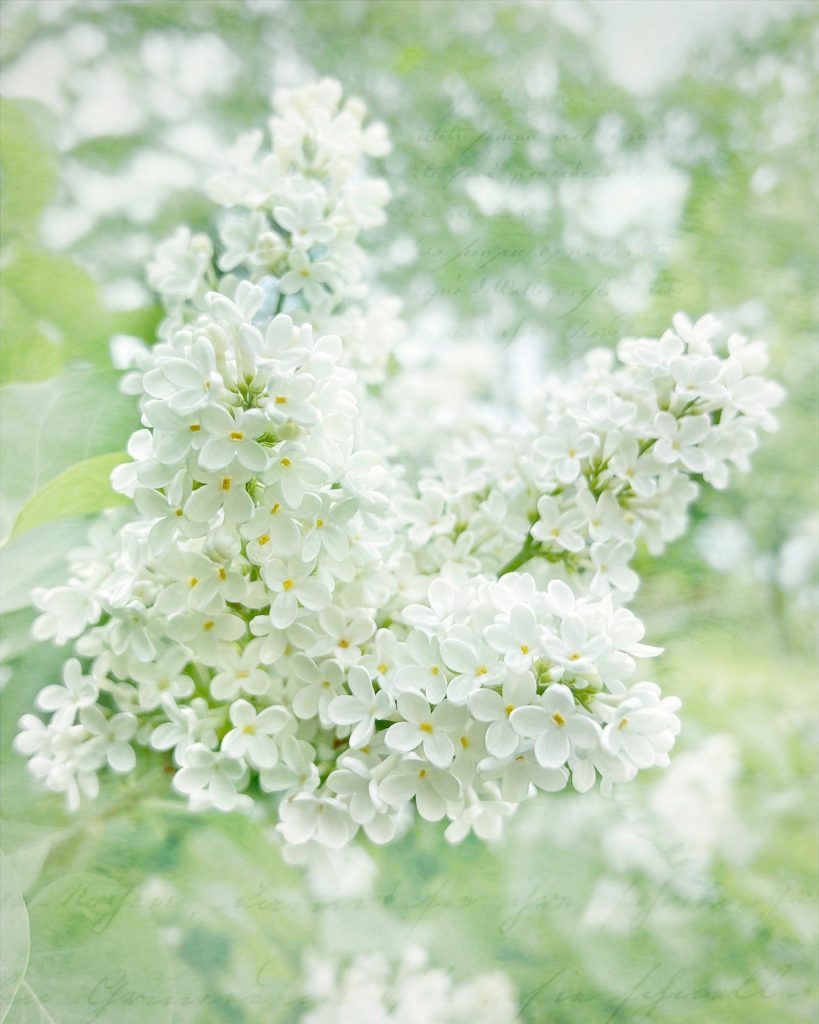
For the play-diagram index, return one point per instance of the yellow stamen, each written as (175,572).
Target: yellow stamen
(264,539)
(344,644)
(509,709)
(622,724)
(194,428)
(382,668)
(208,626)
(425,726)
(558,719)
(287,584)
(192,581)
(226,484)
(281,400)
(237,435)
(464,742)
(286,462)
(275,508)
(524,649)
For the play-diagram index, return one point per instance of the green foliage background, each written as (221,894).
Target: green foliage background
(134,910)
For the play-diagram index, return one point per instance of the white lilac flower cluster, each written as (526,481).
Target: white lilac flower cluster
(373,989)
(302,614)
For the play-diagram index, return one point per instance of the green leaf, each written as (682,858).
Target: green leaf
(37,559)
(14,929)
(31,349)
(28,165)
(52,313)
(79,491)
(95,956)
(51,316)
(57,424)
(26,847)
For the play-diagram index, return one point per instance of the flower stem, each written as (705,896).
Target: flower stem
(530,549)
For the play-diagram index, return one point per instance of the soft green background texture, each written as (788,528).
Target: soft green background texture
(564,174)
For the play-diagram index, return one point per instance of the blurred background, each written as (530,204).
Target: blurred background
(564,173)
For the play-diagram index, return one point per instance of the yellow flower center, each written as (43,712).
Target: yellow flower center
(425,726)
(237,435)
(287,584)
(558,719)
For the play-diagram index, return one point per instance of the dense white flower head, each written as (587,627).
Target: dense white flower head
(314,606)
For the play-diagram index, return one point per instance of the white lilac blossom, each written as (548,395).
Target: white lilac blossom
(371,988)
(303,614)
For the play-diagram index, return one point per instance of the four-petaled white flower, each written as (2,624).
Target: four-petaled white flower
(431,787)
(422,726)
(502,740)
(519,640)
(209,778)
(305,816)
(110,736)
(361,707)
(555,724)
(77,692)
(476,663)
(565,446)
(678,440)
(558,526)
(252,735)
(233,437)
